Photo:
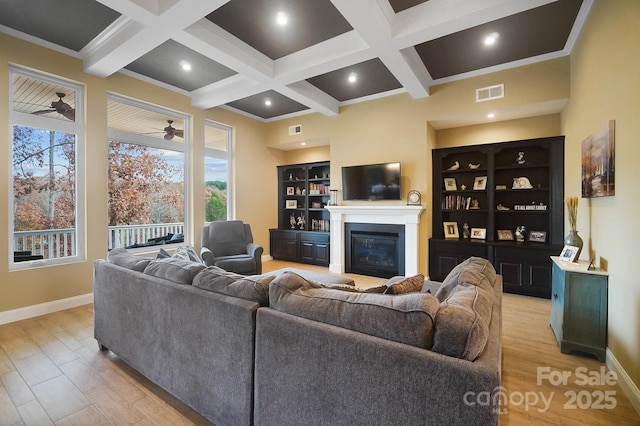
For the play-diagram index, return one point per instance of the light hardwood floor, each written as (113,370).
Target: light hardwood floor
(52,372)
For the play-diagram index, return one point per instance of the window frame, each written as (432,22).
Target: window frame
(224,155)
(183,147)
(77,128)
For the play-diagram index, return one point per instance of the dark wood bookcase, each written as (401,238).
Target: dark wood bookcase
(495,189)
(303,221)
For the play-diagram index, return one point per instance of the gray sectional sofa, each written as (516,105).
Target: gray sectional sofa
(284,349)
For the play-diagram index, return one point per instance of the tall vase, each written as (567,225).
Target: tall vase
(573,239)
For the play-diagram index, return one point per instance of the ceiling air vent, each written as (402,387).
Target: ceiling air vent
(489,93)
(295,130)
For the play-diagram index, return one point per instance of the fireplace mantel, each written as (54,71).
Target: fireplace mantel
(409,216)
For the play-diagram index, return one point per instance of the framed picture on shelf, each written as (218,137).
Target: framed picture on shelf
(290,190)
(505,235)
(569,253)
(479,233)
(291,204)
(450,184)
(450,230)
(537,236)
(480,183)
(316,205)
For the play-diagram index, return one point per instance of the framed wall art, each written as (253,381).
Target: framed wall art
(598,162)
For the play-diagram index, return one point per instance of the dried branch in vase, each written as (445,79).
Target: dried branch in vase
(572,209)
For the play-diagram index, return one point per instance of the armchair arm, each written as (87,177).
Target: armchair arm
(207,256)
(256,251)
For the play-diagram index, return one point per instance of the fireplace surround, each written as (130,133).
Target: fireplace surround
(407,216)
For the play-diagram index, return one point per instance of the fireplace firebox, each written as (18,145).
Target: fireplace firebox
(374,249)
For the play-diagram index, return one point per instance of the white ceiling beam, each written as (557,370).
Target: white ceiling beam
(139,31)
(227,90)
(309,95)
(370,21)
(438,18)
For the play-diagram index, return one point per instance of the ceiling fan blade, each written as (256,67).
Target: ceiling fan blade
(168,136)
(43,111)
(70,114)
(179,133)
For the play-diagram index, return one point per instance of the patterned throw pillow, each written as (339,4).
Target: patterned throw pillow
(402,285)
(354,289)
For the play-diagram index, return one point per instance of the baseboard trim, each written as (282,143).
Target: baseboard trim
(44,308)
(628,387)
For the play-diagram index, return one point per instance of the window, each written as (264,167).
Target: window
(46,215)
(148,164)
(217,171)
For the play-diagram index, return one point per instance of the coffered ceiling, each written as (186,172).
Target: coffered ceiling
(323,54)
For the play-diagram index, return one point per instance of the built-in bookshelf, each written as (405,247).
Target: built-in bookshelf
(501,201)
(303,220)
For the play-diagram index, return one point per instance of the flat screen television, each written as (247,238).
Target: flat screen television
(371,182)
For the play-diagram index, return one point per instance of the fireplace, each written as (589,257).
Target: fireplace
(407,217)
(374,249)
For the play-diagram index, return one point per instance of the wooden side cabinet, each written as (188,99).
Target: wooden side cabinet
(579,308)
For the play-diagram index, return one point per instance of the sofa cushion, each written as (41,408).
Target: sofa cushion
(406,318)
(251,287)
(176,270)
(471,271)
(462,322)
(402,284)
(121,257)
(352,288)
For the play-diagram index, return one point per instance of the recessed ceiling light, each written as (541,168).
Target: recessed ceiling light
(282,18)
(353,77)
(491,39)
(186,66)
(491,115)
(267,102)
(303,143)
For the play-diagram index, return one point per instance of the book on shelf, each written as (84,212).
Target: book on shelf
(319,225)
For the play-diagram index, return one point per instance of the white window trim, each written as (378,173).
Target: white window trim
(17,118)
(184,147)
(228,156)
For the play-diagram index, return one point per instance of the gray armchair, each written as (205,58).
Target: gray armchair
(229,245)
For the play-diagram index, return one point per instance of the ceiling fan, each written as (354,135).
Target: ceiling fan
(170,131)
(60,107)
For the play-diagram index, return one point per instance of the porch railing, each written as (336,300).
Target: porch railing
(56,243)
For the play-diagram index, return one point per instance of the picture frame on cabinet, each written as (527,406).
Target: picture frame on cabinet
(569,254)
(291,204)
(480,183)
(505,235)
(537,236)
(451,230)
(450,184)
(479,233)
(290,190)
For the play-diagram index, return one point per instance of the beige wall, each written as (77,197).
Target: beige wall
(255,174)
(503,131)
(605,84)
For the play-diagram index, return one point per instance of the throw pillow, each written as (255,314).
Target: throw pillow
(163,254)
(402,285)
(186,253)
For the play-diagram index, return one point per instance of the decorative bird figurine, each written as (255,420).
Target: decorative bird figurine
(474,166)
(455,166)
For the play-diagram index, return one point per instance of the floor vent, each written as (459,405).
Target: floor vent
(295,130)
(489,93)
